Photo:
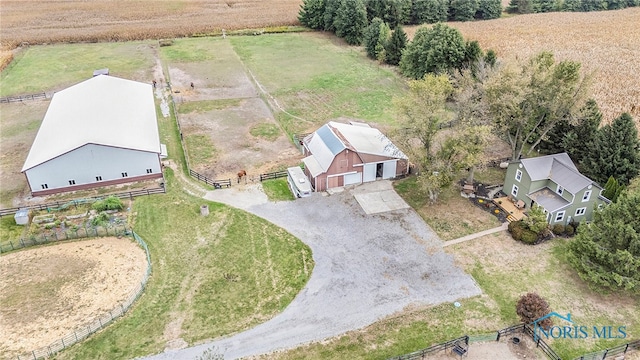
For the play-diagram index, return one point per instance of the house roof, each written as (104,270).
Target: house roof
(559,168)
(103,110)
(548,199)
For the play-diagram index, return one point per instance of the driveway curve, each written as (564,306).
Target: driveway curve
(367,267)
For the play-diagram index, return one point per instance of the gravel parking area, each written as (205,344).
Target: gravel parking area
(367,267)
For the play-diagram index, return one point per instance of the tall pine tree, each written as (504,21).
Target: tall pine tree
(311,14)
(351,20)
(616,152)
(394,47)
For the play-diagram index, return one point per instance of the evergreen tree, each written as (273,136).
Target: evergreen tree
(370,37)
(488,9)
(436,50)
(383,39)
(521,6)
(541,6)
(430,11)
(311,14)
(612,189)
(607,252)
(462,10)
(616,152)
(393,12)
(351,20)
(490,58)
(330,11)
(394,47)
(472,54)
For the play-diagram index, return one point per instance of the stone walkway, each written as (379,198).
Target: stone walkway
(502,227)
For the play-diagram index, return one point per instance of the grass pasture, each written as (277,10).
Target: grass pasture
(316,78)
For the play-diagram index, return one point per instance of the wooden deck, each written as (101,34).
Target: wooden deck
(510,208)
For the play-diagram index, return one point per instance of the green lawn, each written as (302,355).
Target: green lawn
(316,79)
(54,67)
(277,189)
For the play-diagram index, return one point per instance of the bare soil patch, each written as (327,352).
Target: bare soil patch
(227,126)
(503,350)
(48,291)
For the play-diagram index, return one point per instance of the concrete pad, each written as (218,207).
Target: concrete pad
(380,201)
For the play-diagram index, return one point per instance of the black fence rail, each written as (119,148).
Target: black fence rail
(54,206)
(420,354)
(19,98)
(613,352)
(273,175)
(218,184)
(540,343)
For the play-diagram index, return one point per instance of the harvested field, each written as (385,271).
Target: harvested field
(48,291)
(48,21)
(607,43)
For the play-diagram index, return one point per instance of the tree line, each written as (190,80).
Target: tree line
(540,6)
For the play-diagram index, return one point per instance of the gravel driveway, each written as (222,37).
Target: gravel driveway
(367,267)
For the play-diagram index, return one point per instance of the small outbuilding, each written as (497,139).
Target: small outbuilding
(22,217)
(339,154)
(102,131)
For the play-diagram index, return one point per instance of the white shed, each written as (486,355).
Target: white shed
(22,217)
(102,131)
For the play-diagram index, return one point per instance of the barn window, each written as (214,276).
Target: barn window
(98,178)
(44,186)
(72,182)
(124,174)
(149,171)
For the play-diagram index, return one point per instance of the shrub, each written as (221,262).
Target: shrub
(100,219)
(515,229)
(558,229)
(570,229)
(531,307)
(110,203)
(528,237)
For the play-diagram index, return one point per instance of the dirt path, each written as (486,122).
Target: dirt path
(48,291)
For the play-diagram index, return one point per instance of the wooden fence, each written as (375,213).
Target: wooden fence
(63,205)
(218,184)
(98,323)
(273,175)
(19,98)
(297,141)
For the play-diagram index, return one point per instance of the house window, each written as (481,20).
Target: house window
(514,190)
(559,190)
(44,186)
(72,182)
(581,211)
(149,171)
(518,175)
(586,196)
(98,178)
(124,174)
(559,216)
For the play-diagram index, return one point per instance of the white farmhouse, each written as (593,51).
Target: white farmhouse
(102,131)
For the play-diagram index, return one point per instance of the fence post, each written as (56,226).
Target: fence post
(63,345)
(75,334)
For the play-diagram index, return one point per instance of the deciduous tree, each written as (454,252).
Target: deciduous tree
(433,50)
(607,252)
(529,100)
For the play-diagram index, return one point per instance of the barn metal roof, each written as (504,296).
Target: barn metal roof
(560,169)
(103,110)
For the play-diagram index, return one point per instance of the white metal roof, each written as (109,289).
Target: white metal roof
(103,110)
(313,166)
(367,140)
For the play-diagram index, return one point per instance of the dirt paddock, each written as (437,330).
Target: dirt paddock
(48,291)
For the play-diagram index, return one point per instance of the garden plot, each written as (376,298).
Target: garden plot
(226,126)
